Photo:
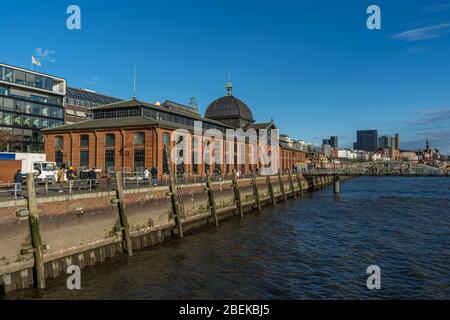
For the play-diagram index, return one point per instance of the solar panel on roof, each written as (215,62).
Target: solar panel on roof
(90,97)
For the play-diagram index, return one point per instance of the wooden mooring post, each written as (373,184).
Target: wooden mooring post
(314,183)
(270,189)
(237,194)
(300,184)
(123,215)
(256,193)
(337,186)
(36,240)
(174,196)
(292,185)
(280,180)
(211,200)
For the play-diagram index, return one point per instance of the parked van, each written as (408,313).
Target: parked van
(44,171)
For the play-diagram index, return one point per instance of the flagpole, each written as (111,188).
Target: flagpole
(134,83)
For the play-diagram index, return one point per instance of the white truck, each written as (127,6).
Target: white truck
(43,170)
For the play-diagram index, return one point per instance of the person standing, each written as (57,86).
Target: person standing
(146,175)
(154,173)
(62,174)
(92,175)
(70,174)
(18,183)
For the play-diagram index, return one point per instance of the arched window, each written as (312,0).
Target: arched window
(59,142)
(84,141)
(59,155)
(139,153)
(110,140)
(139,139)
(194,149)
(110,153)
(84,152)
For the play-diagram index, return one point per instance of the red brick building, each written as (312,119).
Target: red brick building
(131,135)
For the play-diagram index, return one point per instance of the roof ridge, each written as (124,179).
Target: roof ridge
(76,126)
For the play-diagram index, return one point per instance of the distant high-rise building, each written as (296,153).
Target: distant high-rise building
(397,141)
(392,143)
(384,142)
(326,149)
(334,142)
(367,140)
(389,142)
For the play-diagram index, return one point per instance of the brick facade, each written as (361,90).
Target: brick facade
(124,151)
(157,123)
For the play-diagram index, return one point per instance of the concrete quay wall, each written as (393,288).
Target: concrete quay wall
(85,229)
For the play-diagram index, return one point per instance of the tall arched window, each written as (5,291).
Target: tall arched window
(59,155)
(110,140)
(194,149)
(84,152)
(110,153)
(139,139)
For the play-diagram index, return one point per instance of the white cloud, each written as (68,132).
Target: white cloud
(424,33)
(432,116)
(45,55)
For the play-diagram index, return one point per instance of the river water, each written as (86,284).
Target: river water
(318,247)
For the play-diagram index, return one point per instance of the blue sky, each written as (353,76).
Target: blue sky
(312,66)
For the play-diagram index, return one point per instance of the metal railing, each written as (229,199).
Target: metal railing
(11,190)
(136,180)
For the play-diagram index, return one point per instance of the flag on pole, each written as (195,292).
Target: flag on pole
(35,61)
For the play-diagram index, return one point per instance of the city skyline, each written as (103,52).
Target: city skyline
(323,65)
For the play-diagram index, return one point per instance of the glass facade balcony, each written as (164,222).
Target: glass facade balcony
(25,110)
(31,80)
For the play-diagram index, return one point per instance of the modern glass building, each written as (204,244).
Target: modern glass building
(29,102)
(367,140)
(334,142)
